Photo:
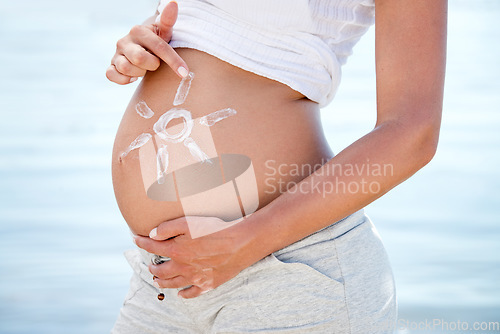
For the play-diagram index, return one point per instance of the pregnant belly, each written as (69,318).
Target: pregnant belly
(223,142)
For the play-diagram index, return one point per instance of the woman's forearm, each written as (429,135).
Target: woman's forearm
(358,175)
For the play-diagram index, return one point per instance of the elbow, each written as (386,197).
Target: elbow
(425,138)
(418,137)
(428,145)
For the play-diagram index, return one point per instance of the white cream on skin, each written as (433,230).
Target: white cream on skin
(183,89)
(217,116)
(161,163)
(195,150)
(143,110)
(142,139)
(160,127)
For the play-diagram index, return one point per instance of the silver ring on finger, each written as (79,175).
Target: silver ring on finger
(156,30)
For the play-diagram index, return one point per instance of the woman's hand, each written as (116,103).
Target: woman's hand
(205,262)
(143,48)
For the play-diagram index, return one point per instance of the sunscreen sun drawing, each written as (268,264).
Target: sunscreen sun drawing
(180,163)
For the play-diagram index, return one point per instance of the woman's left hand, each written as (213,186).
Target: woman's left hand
(204,263)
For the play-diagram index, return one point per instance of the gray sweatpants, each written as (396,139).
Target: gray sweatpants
(337,280)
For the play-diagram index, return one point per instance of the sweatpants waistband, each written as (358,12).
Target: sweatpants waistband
(329,232)
(139,259)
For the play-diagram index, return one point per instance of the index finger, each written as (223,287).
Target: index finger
(162,248)
(169,229)
(166,53)
(156,45)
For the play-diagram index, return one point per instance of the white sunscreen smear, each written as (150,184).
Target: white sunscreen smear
(161,163)
(183,89)
(217,116)
(142,139)
(160,126)
(143,110)
(195,150)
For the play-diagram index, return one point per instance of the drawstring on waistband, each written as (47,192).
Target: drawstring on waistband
(157,259)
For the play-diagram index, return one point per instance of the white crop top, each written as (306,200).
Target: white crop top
(300,43)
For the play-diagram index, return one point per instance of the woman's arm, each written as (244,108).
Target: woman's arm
(143,48)
(410,66)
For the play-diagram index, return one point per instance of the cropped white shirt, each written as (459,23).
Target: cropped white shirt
(300,43)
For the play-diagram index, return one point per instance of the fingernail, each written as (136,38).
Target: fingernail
(153,233)
(182,72)
(133,79)
(156,284)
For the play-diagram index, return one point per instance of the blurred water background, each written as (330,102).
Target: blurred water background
(62,236)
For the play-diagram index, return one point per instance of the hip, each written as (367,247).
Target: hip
(336,280)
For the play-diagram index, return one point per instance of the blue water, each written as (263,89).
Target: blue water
(62,236)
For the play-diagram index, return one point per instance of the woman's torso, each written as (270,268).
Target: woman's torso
(274,126)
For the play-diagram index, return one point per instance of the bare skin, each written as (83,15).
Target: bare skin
(144,48)
(410,65)
(272,122)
